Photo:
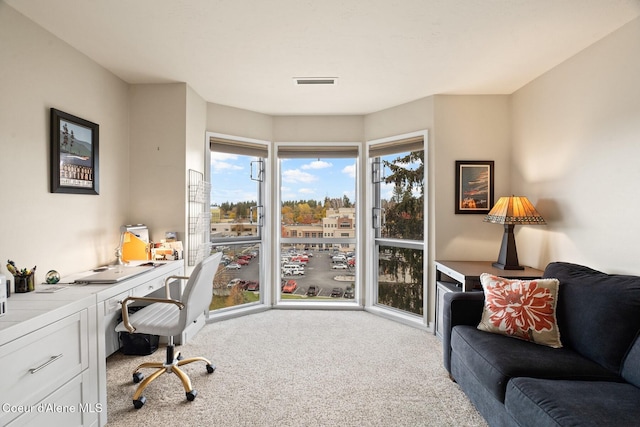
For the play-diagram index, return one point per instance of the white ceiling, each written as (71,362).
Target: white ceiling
(245,53)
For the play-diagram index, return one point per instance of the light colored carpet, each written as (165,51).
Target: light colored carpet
(299,368)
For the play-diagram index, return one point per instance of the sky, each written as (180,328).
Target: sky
(302,179)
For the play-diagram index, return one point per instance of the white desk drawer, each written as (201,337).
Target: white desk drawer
(66,407)
(36,364)
(150,286)
(112,305)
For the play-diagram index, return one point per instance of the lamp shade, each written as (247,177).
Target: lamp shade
(516,210)
(510,211)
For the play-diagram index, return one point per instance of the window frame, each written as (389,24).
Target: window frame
(318,150)
(373,241)
(264,235)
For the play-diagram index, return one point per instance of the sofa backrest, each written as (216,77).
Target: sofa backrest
(631,365)
(598,313)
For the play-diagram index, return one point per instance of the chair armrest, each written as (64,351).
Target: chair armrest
(167,291)
(459,308)
(127,300)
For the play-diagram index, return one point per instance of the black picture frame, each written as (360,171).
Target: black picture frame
(74,154)
(474,186)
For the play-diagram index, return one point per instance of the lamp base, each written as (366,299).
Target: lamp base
(508,257)
(507,267)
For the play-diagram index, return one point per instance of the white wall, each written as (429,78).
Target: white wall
(66,232)
(576,146)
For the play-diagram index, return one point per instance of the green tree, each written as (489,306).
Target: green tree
(404,219)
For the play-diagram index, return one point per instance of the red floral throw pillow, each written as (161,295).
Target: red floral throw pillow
(524,309)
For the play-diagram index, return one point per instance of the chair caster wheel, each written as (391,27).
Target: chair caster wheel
(191,395)
(210,369)
(140,402)
(137,377)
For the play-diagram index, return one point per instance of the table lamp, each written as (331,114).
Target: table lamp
(119,260)
(510,211)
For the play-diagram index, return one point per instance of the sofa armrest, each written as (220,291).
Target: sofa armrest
(459,308)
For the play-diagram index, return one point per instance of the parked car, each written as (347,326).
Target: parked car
(242,261)
(312,291)
(252,285)
(336,292)
(235,282)
(348,293)
(233,266)
(290,287)
(339,266)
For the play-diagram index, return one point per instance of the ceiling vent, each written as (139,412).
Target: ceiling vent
(320,81)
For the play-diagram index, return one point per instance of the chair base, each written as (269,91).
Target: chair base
(171,365)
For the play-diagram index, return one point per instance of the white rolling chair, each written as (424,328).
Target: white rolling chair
(169,317)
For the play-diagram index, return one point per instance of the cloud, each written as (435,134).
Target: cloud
(224,162)
(218,166)
(296,176)
(318,164)
(350,171)
(307,191)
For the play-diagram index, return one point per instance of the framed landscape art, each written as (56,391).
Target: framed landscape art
(474,186)
(74,154)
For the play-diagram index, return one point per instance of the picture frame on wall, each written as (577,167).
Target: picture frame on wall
(474,186)
(74,154)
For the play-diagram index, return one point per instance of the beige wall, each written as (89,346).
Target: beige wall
(473,127)
(576,145)
(318,128)
(239,122)
(66,232)
(158,158)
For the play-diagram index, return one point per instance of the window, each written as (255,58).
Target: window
(317,195)
(398,216)
(239,175)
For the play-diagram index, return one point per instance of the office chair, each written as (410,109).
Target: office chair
(169,317)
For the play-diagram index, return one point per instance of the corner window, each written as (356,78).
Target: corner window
(397,171)
(238,214)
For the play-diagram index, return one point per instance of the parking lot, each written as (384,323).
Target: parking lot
(318,273)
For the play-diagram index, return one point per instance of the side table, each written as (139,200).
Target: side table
(464,276)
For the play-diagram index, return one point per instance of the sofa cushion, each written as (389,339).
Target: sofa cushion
(537,403)
(494,359)
(597,312)
(631,366)
(524,309)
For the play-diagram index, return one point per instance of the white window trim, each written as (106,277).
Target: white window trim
(371,273)
(359,289)
(266,252)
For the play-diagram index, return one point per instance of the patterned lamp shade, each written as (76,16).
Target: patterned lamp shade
(514,210)
(510,211)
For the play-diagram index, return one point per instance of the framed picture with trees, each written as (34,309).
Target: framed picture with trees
(74,154)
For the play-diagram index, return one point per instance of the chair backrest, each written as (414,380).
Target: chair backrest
(199,289)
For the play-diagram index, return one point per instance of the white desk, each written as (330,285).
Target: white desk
(53,348)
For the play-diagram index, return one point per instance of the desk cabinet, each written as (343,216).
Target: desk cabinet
(53,348)
(46,375)
(464,276)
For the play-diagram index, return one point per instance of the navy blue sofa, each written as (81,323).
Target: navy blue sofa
(593,380)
